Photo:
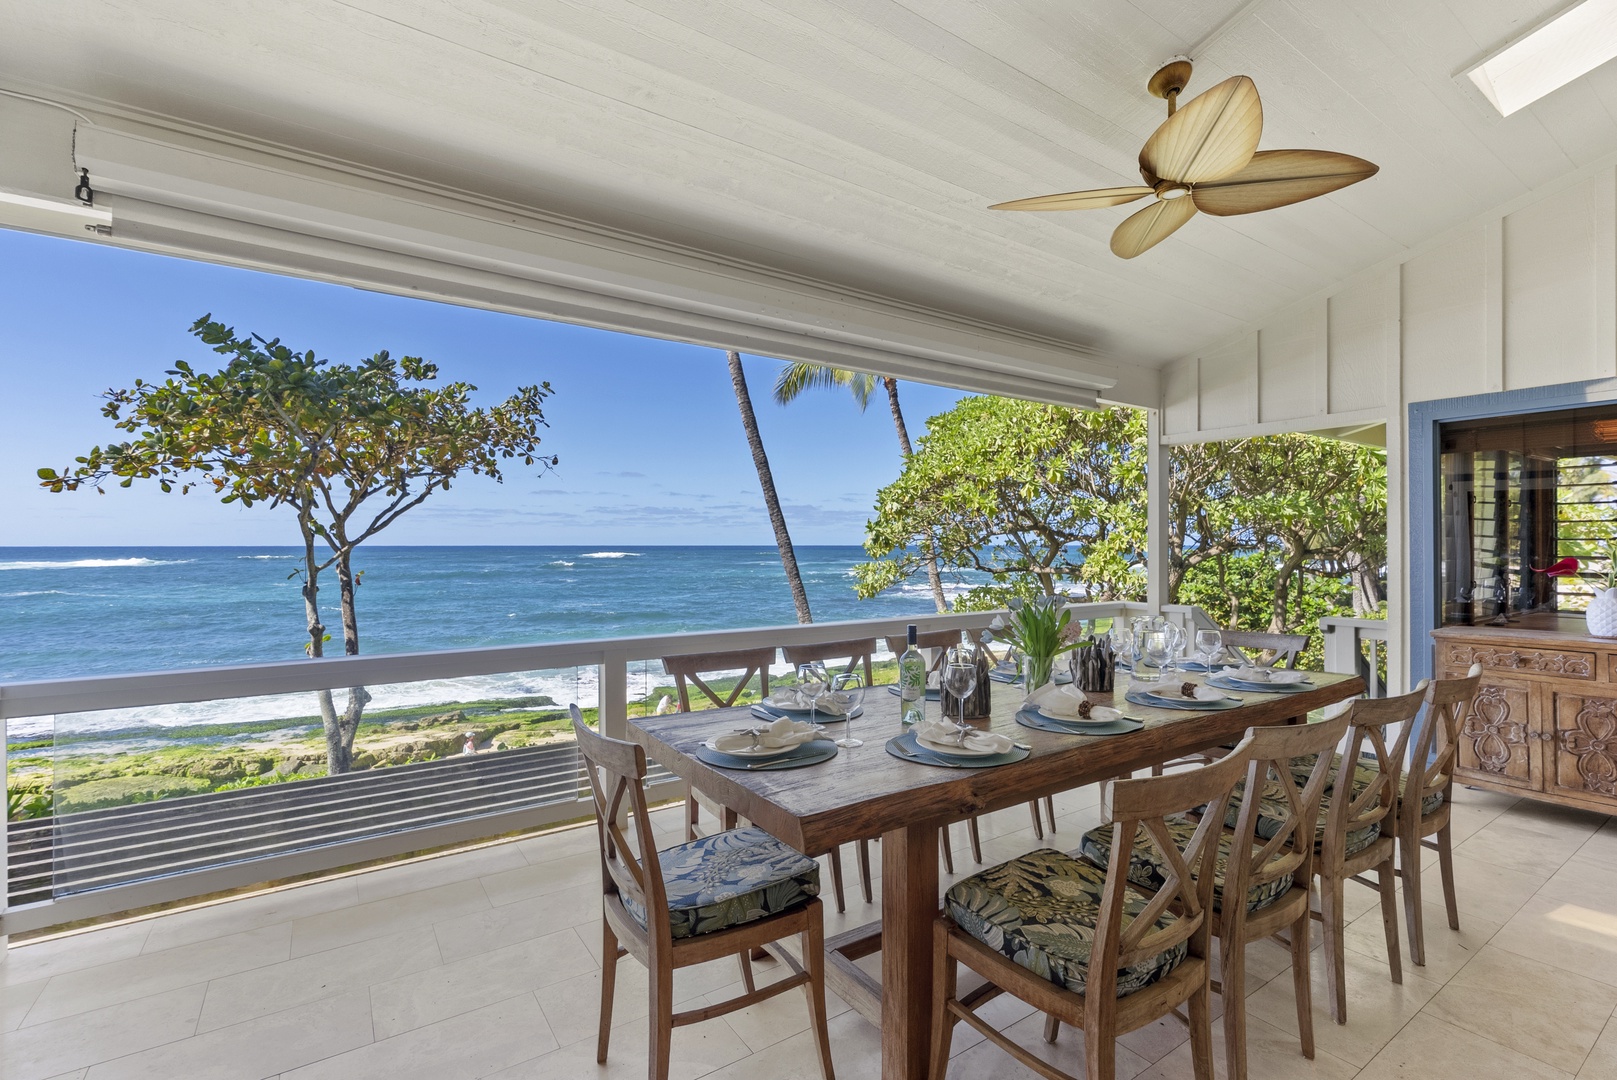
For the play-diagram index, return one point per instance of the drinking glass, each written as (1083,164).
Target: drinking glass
(811,682)
(1122,642)
(1156,650)
(848,691)
(960,679)
(1209,644)
(1176,644)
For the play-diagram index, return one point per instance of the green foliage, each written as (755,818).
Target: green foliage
(27,805)
(1035,627)
(263,780)
(1040,497)
(122,790)
(799,376)
(1269,533)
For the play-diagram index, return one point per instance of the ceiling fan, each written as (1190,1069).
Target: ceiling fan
(1205,157)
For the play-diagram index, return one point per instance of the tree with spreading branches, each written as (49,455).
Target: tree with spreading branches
(347,448)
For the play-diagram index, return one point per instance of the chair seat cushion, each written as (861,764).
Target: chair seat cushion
(1364,774)
(1041,910)
(1147,869)
(1274,811)
(728,879)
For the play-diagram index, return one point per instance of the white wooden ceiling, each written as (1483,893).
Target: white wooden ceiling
(859,141)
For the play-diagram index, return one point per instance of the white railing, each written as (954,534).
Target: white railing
(1356,647)
(611,658)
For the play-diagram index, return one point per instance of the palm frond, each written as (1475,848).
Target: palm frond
(799,376)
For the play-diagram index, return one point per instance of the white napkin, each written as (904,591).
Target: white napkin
(787,697)
(783,734)
(1279,677)
(1062,703)
(946,734)
(1171,689)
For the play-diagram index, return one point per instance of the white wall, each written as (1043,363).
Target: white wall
(1523,296)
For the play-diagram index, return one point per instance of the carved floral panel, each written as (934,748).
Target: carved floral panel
(1494,734)
(1586,745)
(1532,661)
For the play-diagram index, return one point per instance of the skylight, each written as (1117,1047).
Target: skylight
(1570,45)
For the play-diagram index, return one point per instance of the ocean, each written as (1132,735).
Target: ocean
(90,611)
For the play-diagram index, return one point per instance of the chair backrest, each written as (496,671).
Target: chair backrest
(629,869)
(1286,801)
(1133,806)
(856,652)
(692,666)
(1288,647)
(1368,720)
(1437,746)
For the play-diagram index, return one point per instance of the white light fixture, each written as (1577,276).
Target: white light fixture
(50,216)
(1570,45)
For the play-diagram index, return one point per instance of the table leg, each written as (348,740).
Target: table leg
(909,908)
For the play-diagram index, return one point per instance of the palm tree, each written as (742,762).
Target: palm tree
(766,480)
(799,376)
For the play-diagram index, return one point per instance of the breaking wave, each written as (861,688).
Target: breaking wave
(611,555)
(76,564)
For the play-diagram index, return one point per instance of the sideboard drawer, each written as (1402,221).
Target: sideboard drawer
(1458,656)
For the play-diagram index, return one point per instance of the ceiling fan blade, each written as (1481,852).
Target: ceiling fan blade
(1077,200)
(1214,136)
(1279,178)
(1144,229)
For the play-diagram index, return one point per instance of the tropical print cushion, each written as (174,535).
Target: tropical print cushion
(1274,811)
(728,879)
(1148,870)
(1364,774)
(1041,910)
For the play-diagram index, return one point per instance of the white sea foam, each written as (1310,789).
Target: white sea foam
(266,556)
(561,562)
(75,564)
(611,555)
(36,592)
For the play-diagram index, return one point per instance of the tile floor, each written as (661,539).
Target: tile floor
(485,963)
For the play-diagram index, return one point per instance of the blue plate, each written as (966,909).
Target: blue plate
(810,753)
(1032,718)
(1227,683)
(923,755)
(1185,706)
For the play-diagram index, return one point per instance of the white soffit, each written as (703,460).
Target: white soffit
(1565,48)
(50,215)
(191,195)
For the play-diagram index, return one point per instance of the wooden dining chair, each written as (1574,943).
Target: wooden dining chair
(1359,831)
(941,641)
(1086,946)
(724,895)
(856,653)
(689,669)
(1285,647)
(1265,855)
(1425,800)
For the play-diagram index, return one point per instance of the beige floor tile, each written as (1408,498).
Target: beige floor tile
(256,1049)
(1271,1054)
(573,1006)
(1601,1064)
(474,1044)
(1376,1007)
(382,883)
(1487,891)
(542,879)
(1534,844)
(272,989)
(249,913)
(76,1074)
(1602,846)
(696,1050)
(1430,1049)
(1584,881)
(769,1022)
(1541,1011)
(1580,939)
(855,1052)
(380,918)
(493,928)
(437,993)
(152,973)
(573,840)
(985,1061)
(16,1000)
(34,960)
(75,1042)
(1447,951)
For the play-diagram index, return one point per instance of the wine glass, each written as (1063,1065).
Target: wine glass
(848,692)
(811,681)
(960,679)
(1122,642)
(1176,644)
(1156,651)
(1209,644)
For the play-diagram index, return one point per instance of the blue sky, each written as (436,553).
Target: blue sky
(648,433)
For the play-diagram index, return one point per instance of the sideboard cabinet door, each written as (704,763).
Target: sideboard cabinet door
(1497,737)
(1580,752)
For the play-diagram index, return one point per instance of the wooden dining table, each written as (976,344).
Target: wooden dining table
(866,792)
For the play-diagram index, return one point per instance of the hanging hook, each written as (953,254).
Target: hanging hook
(84,193)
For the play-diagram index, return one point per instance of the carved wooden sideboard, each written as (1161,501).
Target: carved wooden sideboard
(1544,724)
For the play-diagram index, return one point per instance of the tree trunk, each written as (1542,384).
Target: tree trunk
(1280,617)
(317,648)
(929,551)
(340,736)
(1367,594)
(766,480)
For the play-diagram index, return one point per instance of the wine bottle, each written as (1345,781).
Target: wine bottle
(912,683)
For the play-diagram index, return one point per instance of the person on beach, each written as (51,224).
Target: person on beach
(471,744)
